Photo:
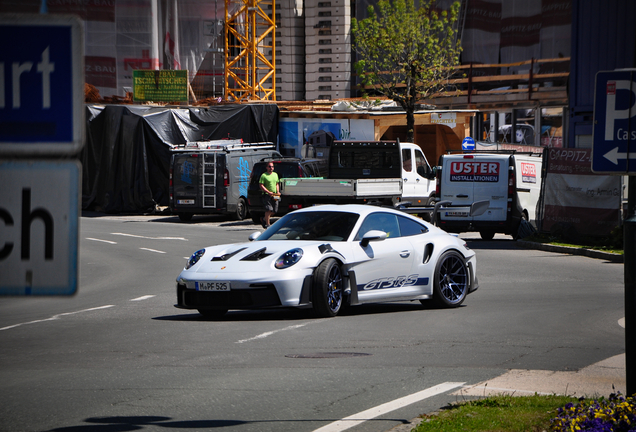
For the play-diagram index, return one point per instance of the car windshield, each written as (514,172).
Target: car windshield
(312,225)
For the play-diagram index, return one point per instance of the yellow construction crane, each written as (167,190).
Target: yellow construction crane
(249,73)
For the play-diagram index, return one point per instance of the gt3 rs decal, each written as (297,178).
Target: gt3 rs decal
(396,282)
(474,172)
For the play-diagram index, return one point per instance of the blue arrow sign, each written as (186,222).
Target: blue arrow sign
(468,144)
(41,85)
(614,147)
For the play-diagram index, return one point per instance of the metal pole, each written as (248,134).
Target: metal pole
(629,269)
(629,247)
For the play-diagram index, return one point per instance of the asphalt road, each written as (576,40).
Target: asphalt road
(119,357)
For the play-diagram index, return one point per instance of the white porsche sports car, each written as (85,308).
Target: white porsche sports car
(329,257)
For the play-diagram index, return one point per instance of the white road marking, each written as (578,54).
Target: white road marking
(150,238)
(266,334)
(100,240)
(361,417)
(153,250)
(55,317)
(146,297)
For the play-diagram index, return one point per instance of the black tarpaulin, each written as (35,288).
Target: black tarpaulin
(126,157)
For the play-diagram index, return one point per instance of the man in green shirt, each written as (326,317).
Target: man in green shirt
(271,191)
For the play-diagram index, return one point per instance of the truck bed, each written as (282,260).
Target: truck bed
(342,188)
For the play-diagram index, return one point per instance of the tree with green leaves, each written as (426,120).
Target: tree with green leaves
(407,53)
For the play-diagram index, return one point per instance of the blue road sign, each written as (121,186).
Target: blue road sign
(468,144)
(41,85)
(614,147)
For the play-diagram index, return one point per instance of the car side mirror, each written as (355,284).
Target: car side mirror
(373,235)
(254,235)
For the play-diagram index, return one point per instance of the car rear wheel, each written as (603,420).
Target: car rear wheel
(212,313)
(328,289)
(451,280)
(241,209)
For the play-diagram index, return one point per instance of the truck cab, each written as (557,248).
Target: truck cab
(418,176)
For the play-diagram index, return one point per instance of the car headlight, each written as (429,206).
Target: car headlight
(289,258)
(195,258)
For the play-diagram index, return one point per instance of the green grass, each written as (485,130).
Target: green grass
(497,414)
(612,243)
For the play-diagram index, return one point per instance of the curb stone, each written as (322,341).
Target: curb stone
(612,257)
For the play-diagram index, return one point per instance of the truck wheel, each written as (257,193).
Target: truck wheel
(185,217)
(487,235)
(451,280)
(241,209)
(256,217)
(327,289)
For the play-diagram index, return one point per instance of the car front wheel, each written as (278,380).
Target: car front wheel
(451,280)
(328,289)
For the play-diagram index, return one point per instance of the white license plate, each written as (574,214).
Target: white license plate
(457,214)
(212,286)
(188,201)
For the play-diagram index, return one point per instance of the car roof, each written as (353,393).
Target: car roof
(362,209)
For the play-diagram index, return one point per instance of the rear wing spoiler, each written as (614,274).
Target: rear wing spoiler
(475,209)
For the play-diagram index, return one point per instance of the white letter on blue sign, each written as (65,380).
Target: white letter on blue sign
(45,68)
(611,113)
(17,70)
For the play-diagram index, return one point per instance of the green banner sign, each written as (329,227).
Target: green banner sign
(160,85)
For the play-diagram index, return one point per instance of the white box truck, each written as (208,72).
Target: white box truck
(510,181)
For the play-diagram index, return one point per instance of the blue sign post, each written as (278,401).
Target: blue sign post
(614,152)
(614,147)
(468,145)
(41,85)
(41,116)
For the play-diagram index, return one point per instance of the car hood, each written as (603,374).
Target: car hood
(255,256)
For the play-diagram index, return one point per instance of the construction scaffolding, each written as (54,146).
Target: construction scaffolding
(249,63)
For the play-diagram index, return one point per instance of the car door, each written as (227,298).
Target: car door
(385,268)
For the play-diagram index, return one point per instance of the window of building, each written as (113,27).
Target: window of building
(324,4)
(324,51)
(324,79)
(325,69)
(324,88)
(324,41)
(324,32)
(324,97)
(324,13)
(324,60)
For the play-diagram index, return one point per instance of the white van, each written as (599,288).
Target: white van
(510,181)
(212,177)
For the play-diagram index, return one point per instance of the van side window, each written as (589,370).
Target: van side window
(407,163)
(421,166)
